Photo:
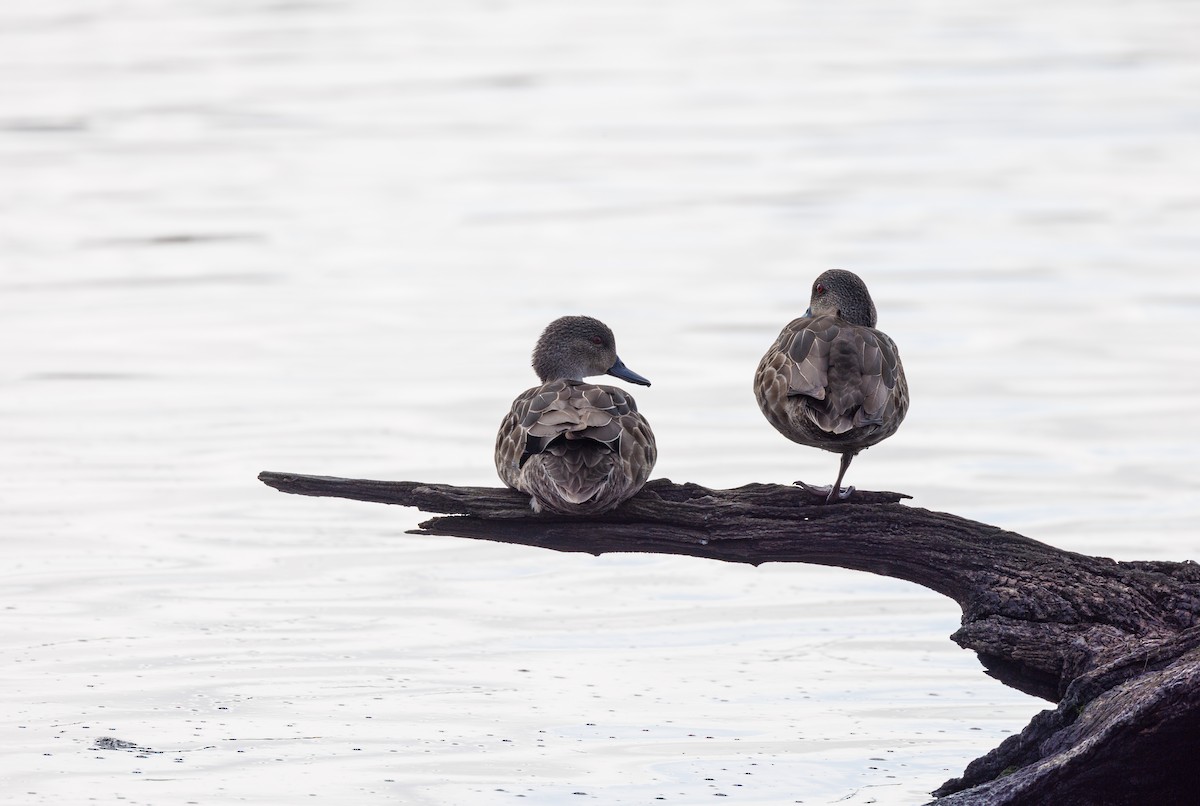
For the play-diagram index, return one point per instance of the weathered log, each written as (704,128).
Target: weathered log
(1115,644)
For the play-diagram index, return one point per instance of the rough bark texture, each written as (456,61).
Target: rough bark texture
(1115,644)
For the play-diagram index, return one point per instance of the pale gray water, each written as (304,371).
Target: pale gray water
(322,237)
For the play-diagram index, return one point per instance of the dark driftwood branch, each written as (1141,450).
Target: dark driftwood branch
(1116,645)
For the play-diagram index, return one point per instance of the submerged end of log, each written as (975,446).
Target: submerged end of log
(1132,743)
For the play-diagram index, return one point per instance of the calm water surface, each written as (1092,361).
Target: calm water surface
(322,236)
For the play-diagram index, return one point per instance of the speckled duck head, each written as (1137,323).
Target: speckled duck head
(842,293)
(576,347)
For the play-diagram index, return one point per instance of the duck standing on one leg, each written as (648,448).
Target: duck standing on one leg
(576,448)
(831,380)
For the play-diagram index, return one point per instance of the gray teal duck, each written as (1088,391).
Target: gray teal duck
(831,380)
(574,447)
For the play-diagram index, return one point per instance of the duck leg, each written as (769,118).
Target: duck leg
(833,492)
(837,491)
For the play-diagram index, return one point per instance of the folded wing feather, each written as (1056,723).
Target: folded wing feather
(851,369)
(586,435)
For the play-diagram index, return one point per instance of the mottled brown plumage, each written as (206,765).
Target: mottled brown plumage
(576,447)
(831,380)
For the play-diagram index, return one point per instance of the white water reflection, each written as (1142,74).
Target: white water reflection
(322,237)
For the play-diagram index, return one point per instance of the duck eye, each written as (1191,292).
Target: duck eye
(819,289)
(597,340)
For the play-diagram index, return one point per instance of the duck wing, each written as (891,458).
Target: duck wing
(587,432)
(849,372)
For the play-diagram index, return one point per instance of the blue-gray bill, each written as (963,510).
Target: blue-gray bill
(623,372)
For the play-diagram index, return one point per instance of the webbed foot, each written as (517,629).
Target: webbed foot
(827,490)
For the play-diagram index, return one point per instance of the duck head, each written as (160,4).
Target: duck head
(842,293)
(578,347)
